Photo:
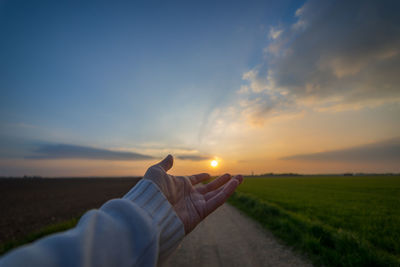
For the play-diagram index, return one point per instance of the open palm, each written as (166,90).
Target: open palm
(192,203)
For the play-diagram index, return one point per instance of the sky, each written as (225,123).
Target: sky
(108,88)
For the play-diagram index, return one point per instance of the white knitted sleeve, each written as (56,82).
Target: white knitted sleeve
(140,229)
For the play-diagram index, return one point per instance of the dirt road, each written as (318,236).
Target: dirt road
(228,238)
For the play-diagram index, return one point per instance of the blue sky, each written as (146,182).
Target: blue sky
(106,69)
(125,71)
(154,76)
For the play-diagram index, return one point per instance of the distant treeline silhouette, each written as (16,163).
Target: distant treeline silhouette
(290,174)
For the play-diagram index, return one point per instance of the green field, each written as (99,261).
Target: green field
(50,229)
(336,221)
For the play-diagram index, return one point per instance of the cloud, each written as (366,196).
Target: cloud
(194,157)
(335,56)
(274,32)
(388,150)
(64,151)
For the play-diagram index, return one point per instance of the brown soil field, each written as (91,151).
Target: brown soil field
(28,205)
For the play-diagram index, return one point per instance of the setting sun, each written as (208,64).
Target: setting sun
(214,163)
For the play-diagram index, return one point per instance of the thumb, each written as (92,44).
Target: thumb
(167,163)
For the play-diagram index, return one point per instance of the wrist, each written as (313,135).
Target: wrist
(149,197)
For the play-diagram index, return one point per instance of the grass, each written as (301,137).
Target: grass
(50,229)
(336,221)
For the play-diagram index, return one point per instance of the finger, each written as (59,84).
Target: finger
(214,184)
(219,199)
(239,178)
(166,163)
(195,179)
(211,194)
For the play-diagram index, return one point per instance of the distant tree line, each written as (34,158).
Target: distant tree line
(271,174)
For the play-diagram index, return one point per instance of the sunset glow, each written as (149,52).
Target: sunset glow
(214,163)
(269,86)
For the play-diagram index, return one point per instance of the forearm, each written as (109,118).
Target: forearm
(134,231)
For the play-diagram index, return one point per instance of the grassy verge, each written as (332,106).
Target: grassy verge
(323,244)
(50,229)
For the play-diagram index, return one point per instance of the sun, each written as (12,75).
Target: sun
(214,163)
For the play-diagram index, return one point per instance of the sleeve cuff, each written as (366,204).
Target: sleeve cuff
(148,196)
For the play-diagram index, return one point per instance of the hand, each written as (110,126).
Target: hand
(192,203)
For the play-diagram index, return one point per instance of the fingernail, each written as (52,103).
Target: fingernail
(239,178)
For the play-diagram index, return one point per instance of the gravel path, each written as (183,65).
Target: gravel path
(228,238)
